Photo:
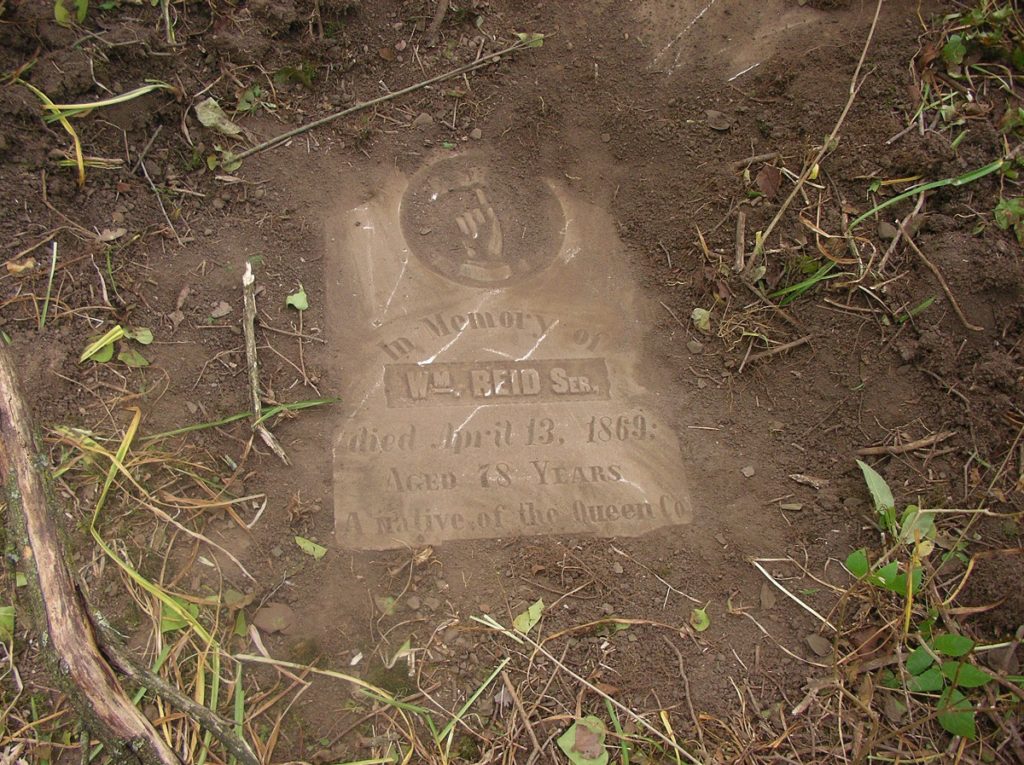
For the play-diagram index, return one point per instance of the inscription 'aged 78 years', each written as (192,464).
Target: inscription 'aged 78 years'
(493,385)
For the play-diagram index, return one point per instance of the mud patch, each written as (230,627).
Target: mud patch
(498,390)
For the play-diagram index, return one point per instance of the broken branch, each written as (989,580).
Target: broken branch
(77,663)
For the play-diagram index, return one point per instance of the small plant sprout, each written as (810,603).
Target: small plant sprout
(298,300)
(101,349)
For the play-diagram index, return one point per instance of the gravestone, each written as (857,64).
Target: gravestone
(487,335)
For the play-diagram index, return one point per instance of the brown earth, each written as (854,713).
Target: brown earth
(645,111)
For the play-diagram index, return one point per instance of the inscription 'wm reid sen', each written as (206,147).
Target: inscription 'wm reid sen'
(495,382)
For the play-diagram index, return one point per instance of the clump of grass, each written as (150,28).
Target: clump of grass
(63,113)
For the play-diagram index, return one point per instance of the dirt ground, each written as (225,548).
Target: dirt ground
(672,120)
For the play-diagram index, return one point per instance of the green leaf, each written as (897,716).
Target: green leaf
(1009,213)
(699,619)
(919,661)
(141,335)
(916,525)
(531,39)
(898,583)
(528,619)
(211,115)
(311,548)
(241,629)
(61,14)
(965,675)
(857,563)
(249,99)
(954,50)
(888,679)
(6,623)
(953,645)
(583,742)
(93,348)
(298,300)
(132,358)
(881,494)
(230,162)
(929,681)
(171,620)
(958,718)
(20,580)
(104,354)
(887,573)
(81,8)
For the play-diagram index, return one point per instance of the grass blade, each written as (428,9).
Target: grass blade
(269,412)
(960,180)
(111,336)
(59,111)
(166,601)
(470,701)
(47,103)
(49,288)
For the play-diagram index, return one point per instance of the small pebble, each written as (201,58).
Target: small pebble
(886,230)
(476,134)
(606,137)
(218,203)
(695,346)
(748,471)
(413,602)
(423,120)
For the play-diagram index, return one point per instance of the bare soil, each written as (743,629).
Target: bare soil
(646,111)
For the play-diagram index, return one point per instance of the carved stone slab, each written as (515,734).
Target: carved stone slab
(488,334)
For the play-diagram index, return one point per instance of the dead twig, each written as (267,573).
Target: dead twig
(739,164)
(777,350)
(921,443)
(945,287)
(741,243)
(829,144)
(435,23)
(252,362)
(491,58)
(518,702)
(218,726)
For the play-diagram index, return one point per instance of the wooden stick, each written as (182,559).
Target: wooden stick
(739,164)
(435,23)
(252,362)
(778,349)
(741,241)
(76,661)
(522,714)
(921,443)
(945,286)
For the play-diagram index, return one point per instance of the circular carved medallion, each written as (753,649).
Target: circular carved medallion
(479,225)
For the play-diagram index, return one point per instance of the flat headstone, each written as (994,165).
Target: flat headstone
(487,338)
